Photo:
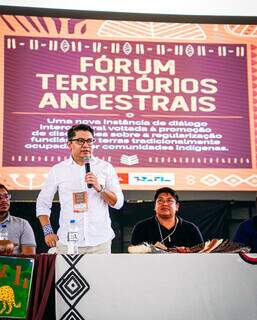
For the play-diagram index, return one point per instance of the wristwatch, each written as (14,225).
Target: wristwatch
(102,189)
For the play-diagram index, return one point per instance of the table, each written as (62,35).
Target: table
(156,286)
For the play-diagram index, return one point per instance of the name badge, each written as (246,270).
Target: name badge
(80,201)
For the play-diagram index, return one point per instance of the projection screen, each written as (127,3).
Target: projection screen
(172,103)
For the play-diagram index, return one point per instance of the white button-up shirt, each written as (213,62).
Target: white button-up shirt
(68,177)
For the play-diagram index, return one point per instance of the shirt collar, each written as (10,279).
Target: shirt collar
(7,219)
(71,161)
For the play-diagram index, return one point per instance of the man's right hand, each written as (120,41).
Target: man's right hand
(6,247)
(51,240)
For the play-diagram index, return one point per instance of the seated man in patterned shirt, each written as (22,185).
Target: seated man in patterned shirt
(21,238)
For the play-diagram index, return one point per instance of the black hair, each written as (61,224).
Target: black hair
(3,187)
(78,127)
(172,192)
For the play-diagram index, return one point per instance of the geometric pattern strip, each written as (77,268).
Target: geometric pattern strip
(72,287)
(72,314)
(151,30)
(231,180)
(72,259)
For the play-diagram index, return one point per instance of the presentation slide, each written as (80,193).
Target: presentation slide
(171,104)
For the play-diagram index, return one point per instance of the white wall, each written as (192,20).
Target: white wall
(186,7)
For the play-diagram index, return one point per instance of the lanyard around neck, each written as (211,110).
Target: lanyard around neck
(170,234)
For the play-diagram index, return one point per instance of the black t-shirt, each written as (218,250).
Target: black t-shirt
(186,234)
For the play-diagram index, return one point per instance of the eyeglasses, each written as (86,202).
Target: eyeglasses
(81,141)
(168,201)
(5,196)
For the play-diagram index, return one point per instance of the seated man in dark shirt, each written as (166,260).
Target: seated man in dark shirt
(246,233)
(165,226)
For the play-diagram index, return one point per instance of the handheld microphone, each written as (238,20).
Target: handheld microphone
(87,168)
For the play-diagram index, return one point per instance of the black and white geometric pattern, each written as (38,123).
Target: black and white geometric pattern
(72,315)
(72,259)
(72,286)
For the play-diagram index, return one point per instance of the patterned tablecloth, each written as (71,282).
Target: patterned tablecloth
(160,286)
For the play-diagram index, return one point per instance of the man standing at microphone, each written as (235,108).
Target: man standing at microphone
(87,186)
